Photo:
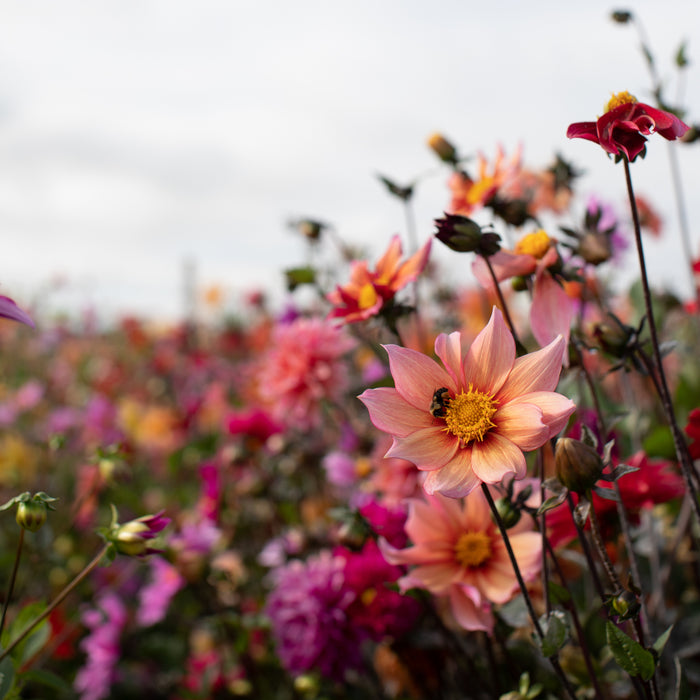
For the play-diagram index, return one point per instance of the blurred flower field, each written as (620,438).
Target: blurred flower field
(389,487)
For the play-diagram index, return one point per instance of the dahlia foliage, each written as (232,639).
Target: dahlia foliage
(420,476)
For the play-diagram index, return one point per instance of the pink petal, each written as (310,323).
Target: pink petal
(522,424)
(555,408)
(437,577)
(490,358)
(455,480)
(468,609)
(476,514)
(536,371)
(449,349)
(428,448)
(422,525)
(416,376)
(495,457)
(552,311)
(412,267)
(505,265)
(583,130)
(387,264)
(417,555)
(496,580)
(392,414)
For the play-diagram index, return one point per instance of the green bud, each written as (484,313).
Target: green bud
(626,605)
(578,465)
(510,515)
(31,514)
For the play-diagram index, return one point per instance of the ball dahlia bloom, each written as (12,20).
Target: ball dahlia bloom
(458,552)
(469,419)
(623,128)
(367,291)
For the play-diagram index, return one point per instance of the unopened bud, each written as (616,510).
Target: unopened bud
(626,604)
(594,247)
(510,515)
(578,465)
(463,235)
(613,336)
(442,148)
(31,515)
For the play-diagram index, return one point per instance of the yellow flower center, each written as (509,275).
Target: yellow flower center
(620,98)
(367,296)
(473,549)
(535,244)
(468,415)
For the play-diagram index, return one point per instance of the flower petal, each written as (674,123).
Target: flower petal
(391,413)
(495,457)
(449,349)
(428,448)
(416,376)
(536,371)
(470,612)
(9,309)
(490,358)
(522,424)
(455,479)
(552,310)
(555,408)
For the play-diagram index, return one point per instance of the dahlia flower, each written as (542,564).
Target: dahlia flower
(469,419)
(458,552)
(623,128)
(367,292)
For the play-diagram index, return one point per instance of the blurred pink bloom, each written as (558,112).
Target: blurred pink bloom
(458,552)
(367,291)
(303,369)
(552,310)
(494,407)
(155,596)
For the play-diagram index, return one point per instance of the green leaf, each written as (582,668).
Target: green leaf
(7,676)
(46,678)
(658,646)
(681,58)
(297,276)
(630,655)
(556,632)
(558,593)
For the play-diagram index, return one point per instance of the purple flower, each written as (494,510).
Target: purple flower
(309,613)
(8,309)
(105,622)
(155,596)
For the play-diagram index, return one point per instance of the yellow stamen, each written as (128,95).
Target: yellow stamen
(535,244)
(363,466)
(468,415)
(619,98)
(367,296)
(473,549)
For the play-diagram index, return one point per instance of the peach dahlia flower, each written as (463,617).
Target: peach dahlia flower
(459,553)
(469,419)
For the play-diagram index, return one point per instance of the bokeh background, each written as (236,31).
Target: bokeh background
(143,138)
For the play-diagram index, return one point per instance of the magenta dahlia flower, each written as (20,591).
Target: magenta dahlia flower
(468,420)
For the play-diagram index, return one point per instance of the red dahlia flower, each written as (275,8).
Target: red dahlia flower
(623,128)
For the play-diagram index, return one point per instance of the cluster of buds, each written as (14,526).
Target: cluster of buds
(32,511)
(133,537)
(464,235)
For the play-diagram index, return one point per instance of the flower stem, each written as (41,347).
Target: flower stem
(13,578)
(55,602)
(554,658)
(687,469)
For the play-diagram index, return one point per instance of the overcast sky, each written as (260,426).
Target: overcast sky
(137,134)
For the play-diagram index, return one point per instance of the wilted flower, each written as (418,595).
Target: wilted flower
(469,420)
(625,124)
(368,291)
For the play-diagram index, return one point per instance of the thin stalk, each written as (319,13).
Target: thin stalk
(13,578)
(554,658)
(597,583)
(543,530)
(687,469)
(603,553)
(55,602)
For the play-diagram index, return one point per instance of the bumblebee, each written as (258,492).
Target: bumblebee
(438,405)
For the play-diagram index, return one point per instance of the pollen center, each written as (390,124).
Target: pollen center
(468,415)
(473,549)
(618,99)
(535,244)
(367,296)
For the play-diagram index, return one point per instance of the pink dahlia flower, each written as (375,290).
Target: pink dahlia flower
(458,552)
(469,419)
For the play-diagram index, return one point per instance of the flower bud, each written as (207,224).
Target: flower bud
(133,537)
(613,336)
(463,235)
(594,247)
(444,150)
(31,515)
(510,515)
(626,605)
(578,465)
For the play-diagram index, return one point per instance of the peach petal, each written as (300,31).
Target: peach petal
(496,581)
(455,480)
(536,371)
(522,424)
(491,355)
(476,514)
(416,376)
(495,457)
(552,310)
(428,448)
(389,412)
(468,609)
(449,349)
(421,524)
(437,577)
(555,408)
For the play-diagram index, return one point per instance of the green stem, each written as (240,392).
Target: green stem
(13,578)
(55,602)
